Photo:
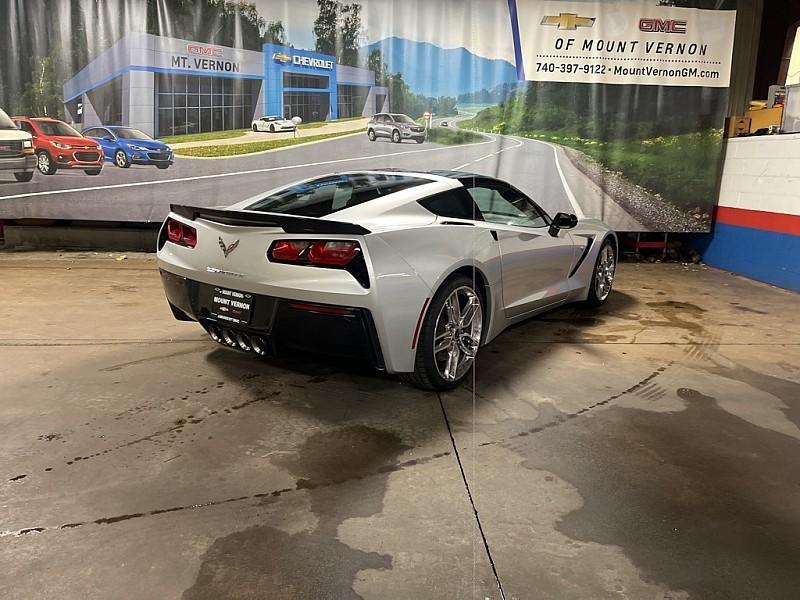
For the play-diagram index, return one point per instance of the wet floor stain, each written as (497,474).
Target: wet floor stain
(379,471)
(263,561)
(699,500)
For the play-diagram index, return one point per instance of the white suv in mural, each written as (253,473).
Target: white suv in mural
(16,149)
(395,127)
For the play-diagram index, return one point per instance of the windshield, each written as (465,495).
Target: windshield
(402,119)
(5,122)
(326,195)
(131,134)
(56,128)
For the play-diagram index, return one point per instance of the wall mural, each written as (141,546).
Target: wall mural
(611,110)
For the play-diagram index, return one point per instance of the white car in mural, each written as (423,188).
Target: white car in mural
(273,124)
(411,272)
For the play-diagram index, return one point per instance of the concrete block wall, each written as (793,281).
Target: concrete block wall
(757,223)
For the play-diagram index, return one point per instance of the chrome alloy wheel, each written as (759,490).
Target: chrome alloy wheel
(604,276)
(457,334)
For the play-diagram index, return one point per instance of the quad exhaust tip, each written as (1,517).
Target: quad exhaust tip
(230,338)
(259,345)
(238,339)
(244,341)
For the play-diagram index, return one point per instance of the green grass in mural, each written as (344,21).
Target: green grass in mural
(680,168)
(443,135)
(202,137)
(224,150)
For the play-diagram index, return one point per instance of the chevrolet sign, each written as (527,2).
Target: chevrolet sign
(316,63)
(282,58)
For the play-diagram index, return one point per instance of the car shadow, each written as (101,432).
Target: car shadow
(567,324)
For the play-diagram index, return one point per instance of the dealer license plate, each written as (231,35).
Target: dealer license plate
(231,306)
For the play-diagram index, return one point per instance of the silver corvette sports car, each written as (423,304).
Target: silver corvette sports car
(411,271)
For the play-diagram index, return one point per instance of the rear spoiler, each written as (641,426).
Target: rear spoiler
(289,223)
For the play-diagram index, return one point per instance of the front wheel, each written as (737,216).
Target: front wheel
(449,337)
(121,160)
(396,136)
(162,167)
(371,135)
(45,164)
(603,276)
(24,176)
(420,140)
(255,127)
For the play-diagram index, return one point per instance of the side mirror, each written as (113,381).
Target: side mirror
(562,221)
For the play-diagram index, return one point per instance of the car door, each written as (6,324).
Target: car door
(107,142)
(535,264)
(383,126)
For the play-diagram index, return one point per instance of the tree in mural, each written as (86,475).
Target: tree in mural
(338,30)
(44,43)
(274,33)
(376,65)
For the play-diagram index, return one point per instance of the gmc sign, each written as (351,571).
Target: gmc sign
(203,50)
(662,26)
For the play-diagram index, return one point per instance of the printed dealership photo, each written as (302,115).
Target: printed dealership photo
(605,115)
(399,299)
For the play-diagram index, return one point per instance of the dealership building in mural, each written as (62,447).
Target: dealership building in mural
(168,86)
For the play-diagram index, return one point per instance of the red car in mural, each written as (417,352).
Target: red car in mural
(59,146)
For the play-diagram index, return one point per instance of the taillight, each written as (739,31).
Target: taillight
(181,234)
(321,253)
(333,253)
(288,250)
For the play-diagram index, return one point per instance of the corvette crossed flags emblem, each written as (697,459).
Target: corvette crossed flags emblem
(229,248)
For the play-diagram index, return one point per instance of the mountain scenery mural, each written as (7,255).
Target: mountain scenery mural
(433,71)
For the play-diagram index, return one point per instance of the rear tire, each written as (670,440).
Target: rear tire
(24,177)
(431,367)
(603,275)
(272,128)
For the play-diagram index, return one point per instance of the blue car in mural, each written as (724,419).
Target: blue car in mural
(126,146)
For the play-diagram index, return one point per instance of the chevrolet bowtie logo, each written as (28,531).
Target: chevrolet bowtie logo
(569,21)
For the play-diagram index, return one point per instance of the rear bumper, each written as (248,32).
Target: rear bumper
(18,164)
(283,324)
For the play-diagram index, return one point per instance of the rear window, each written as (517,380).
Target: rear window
(326,195)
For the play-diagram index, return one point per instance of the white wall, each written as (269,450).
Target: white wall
(762,173)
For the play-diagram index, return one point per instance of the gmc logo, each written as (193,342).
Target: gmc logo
(662,26)
(203,50)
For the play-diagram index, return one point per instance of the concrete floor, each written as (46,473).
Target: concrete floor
(650,449)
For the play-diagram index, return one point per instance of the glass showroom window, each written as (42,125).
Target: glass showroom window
(199,103)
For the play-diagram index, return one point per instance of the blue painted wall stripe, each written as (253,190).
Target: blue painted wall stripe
(763,255)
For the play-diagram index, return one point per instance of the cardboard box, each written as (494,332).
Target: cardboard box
(736,126)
